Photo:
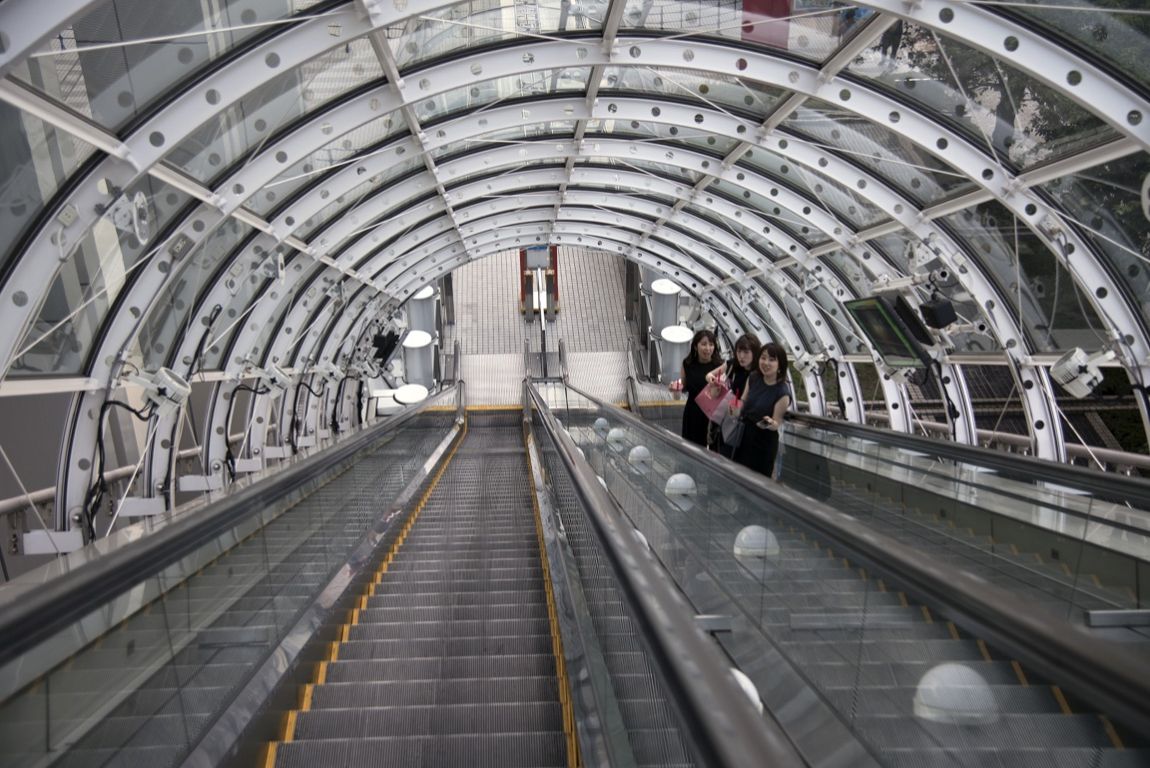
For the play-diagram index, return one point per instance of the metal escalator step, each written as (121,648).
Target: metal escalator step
(460,646)
(892,700)
(424,599)
(889,651)
(437,720)
(1008,757)
(435,692)
(502,589)
(848,673)
(413,630)
(1007,730)
(460,564)
(452,613)
(460,667)
(479,750)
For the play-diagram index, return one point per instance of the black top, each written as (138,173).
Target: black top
(761,398)
(736,377)
(694,420)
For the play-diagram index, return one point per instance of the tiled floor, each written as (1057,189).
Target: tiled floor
(491,330)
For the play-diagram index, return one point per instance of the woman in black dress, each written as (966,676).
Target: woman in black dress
(700,361)
(734,373)
(764,407)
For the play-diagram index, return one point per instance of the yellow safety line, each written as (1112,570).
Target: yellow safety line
(1021,674)
(953,630)
(985,651)
(573,757)
(1062,702)
(1112,732)
(902,600)
(287,727)
(926,615)
(491,408)
(660,403)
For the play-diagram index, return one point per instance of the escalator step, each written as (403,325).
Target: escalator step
(437,720)
(414,630)
(1008,730)
(464,667)
(477,750)
(435,692)
(914,651)
(453,613)
(1010,757)
(512,645)
(891,700)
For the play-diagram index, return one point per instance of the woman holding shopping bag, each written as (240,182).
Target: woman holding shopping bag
(733,374)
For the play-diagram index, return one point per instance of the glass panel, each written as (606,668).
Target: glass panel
(342,151)
(760,247)
(140,679)
(706,88)
(918,174)
(999,403)
(556,130)
(1115,30)
(91,280)
(833,196)
(767,208)
(347,201)
(1105,204)
(671,172)
(852,634)
(273,326)
(481,23)
(36,160)
(994,104)
(1054,312)
(811,29)
(526,85)
(828,309)
(228,136)
(167,323)
(894,248)
(850,271)
(115,84)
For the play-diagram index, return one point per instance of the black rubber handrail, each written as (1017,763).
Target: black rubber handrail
(41,612)
(1110,675)
(1111,487)
(721,724)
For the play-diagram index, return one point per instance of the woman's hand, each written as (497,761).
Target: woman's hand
(767,423)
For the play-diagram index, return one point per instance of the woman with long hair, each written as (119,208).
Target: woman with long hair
(734,373)
(764,407)
(700,361)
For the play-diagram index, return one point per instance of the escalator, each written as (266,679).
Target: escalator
(446,590)
(885,629)
(450,656)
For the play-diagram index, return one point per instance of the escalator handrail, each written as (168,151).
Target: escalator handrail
(1112,486)
(1112,676)
(723,727)
(40,612)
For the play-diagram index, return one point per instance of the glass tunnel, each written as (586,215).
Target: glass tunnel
(240,240)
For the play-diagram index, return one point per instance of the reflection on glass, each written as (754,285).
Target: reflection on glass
(522,86)
(804,28)
(1115,31)
(167,324)
(841,200)
(476,23)
(113,85)
(228,136)
(702,88)
(355,144)
(887,155)
(1054,312)
(995,105)
(89,282)
(1105,204)
(555,130)
(36,159)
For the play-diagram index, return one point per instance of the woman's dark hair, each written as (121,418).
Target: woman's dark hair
(771,349)
(749,342)
(692,355)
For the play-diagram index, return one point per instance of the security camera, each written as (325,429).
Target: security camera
(1077,372)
